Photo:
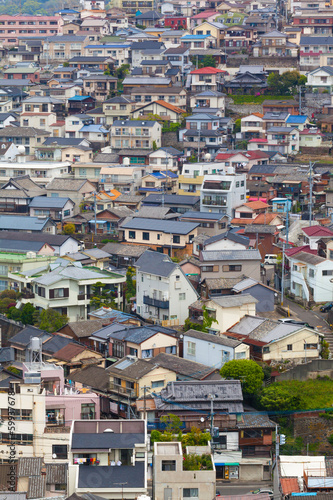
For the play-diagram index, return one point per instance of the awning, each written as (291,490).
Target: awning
(55,406)
(226,463)
(99,221)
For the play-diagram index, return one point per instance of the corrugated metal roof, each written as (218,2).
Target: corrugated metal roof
(225,255)
(163,226)
(56,473)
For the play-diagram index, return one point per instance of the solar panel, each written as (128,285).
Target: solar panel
(124,364)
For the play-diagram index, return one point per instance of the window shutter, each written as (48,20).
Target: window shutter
(66,292)
(51,294)
(215,269)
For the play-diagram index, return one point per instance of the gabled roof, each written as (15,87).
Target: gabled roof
(212,339)
(318,231)
(69,351)
(182,366)
(228,235)
(48,202)
(208,70)
(156,263)
(166,226)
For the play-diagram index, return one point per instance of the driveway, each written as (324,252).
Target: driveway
(314,318)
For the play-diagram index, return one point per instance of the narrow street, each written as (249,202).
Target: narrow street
(315,319)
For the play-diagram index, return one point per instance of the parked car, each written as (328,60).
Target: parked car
(326,307)
(270,259)
(263,490)
(293,321)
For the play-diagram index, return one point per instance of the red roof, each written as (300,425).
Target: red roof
(258,140)
(205,14)
(294,251)
(317,231)
(208,70)
(289,485)
(266,218)
(255,205)
(250,155)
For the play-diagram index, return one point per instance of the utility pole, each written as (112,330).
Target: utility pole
(282,277)
(311,187)
(199,143)
(95,212)
(300,99)
(145,389)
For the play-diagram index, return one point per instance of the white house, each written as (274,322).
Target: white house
(252,125)
(310,138)
(222,193)
(320,78)
(163,292)
(311,277)
(67,286)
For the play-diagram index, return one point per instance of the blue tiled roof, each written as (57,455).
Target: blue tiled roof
(296,119)
(79,97)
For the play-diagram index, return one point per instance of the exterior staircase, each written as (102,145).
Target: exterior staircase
(329,339)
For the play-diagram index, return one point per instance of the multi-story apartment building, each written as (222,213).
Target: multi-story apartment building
(222,193)
(108,458)
(316,51)
(67,287)
(15,261)
(64,47)
(192,176)
(14,27)
(163,292)
(117,108)
(135,134)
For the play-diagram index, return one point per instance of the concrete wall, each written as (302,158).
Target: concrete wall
(308,370)
(264,296)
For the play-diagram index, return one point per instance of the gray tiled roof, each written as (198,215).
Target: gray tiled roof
(225,255)
(164,226)
(183,366)
(48,202)
(228,235)
(126,250)
(106,440)
(171,199)
(22,132)
(23,223)
(56,473)
(62,184)
(308,258)
(155,263)
(29,466)
(92,376)
(234,300)
(212,339)
(259,228)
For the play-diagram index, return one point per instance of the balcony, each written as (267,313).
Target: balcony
(161,304)
(122,390)
(218,203)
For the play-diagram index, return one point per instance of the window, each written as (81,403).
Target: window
(310,346)
(147,353)
(88,411)
(311,273)
(231,268)
(182,296)
(289,347)
(3,270)
(133,352)
(190,493)
(145,236)
(171,349)
(191,348)
(129,385)
(176,238)
(157,383)
(67,213)
(60,450)
(168,465)
(131,235)
(328,272)
(265,350)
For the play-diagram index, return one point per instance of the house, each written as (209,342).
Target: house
(310,138)
(263,237)
(100,86)
(75,189)
(123,255)
(252,126)
(275,106)
(117,108)
(29,137)
(245,82)
(315,51)
(165,157)
(186,369)
(237,36)
(29,224)
(320,78)
(284,140)
(17,193)
(104,481)
(170,471)
(230,263)
(70,283)
(178,203)
(173,94)
(60,244)
(163,291)
(210,99)
(224,309)
(13,26)
(310,277)
(74,123)
(247,212)
(275,44)
(62,48)
(212,350)
(126,179)
(209,223)
(149,18)
(80,104)
(57,208)
(159,181)
(129,378)
(164,110)
(75,356)
(82,330)
(135,134)
(222,193)
(166,236)
(272,340)
(207,78)
(191,178)
(178,56)
(264,294)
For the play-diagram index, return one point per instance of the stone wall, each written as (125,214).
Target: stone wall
(310,370)
(275,63)
(242,109)
(170,139)
(314,430)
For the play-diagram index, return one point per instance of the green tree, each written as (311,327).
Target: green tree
(14,313)
(130,284)
(286,83)
(102,296)
(207,322)
(237,126)
(68,229)
(172,423)
(27,314)
(195,438)
(209,61)
(50,320)
(246,370)
(277,398)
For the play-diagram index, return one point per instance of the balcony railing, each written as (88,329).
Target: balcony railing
(122,390)
(162,304)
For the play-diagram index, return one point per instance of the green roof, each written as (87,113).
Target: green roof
(20,70)
(111,39)
(107,274)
